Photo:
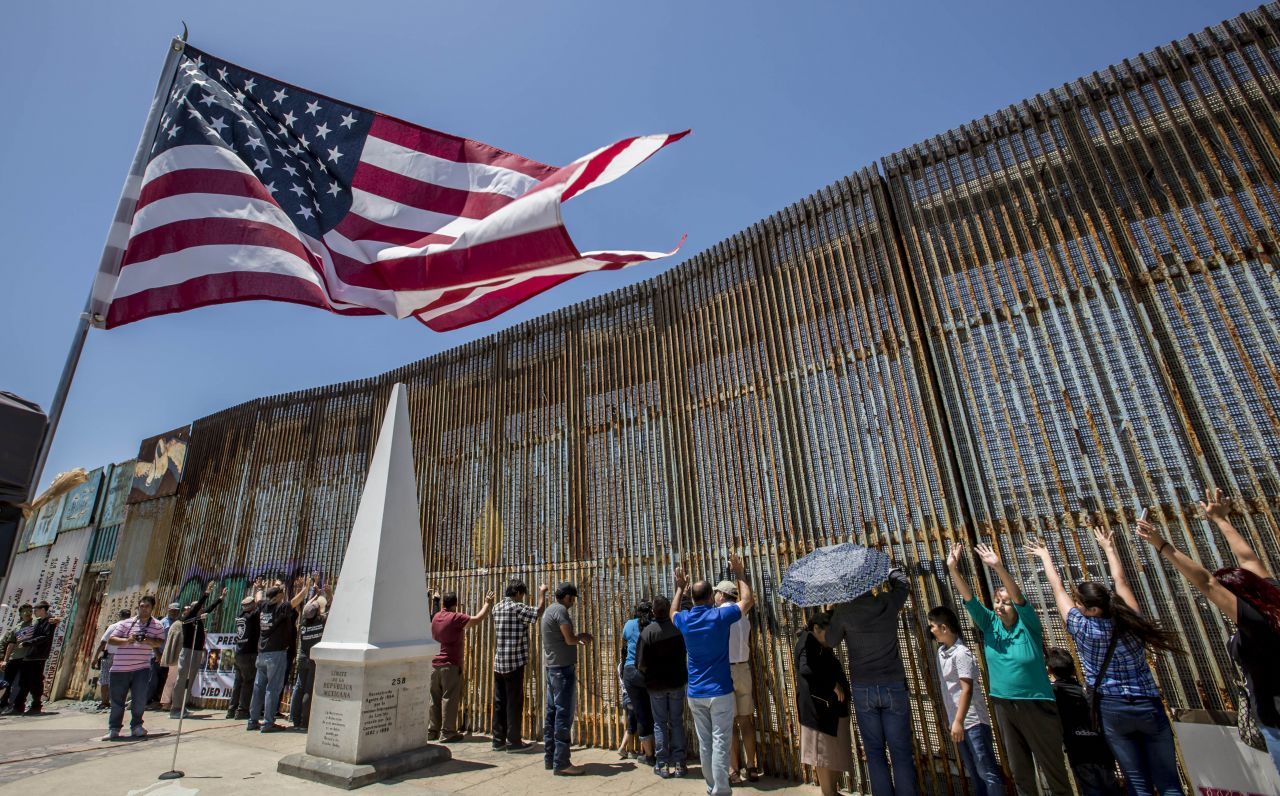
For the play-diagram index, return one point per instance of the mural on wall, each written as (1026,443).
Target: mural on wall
(45,529)
(118,486)
(78,506)
(160,464)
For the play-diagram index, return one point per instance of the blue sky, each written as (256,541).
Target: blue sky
(783,98)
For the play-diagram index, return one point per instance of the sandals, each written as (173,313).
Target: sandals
(754,774)
(736,779)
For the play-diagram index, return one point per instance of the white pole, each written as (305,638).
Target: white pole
(104,282)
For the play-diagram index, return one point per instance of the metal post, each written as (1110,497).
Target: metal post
(104,281)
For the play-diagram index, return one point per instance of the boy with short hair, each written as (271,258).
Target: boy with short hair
(1091,759)
(965,703)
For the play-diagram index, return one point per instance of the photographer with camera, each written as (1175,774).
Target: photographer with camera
(132,645)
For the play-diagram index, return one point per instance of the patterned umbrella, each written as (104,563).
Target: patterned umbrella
(836,573)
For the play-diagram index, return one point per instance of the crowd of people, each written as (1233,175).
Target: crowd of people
(1106,732)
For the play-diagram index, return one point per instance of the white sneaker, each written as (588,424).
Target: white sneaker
(138,732)
(112,735)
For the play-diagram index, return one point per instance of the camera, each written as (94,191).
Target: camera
(139,637)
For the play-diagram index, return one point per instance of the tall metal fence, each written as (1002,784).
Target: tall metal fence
(1066,307)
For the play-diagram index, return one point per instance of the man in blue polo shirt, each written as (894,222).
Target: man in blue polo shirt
(706,638)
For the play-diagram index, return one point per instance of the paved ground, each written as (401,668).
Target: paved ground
(61,754)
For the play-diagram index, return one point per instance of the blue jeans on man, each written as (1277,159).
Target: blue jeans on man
(122,686)
(1140,736)
(561,701)
(1272,736)
(267,684)
(978,753)
(668,726)
(884,720)
(713,719)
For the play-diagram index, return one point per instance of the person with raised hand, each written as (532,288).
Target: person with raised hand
(705,627)
(1019,688)
(1112,637)
(448,626)
(1249,596)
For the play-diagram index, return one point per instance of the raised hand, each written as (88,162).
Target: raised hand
(223,594)
(1216,506)
(953,558)
(681,582)
(542,589)
(735,564)
(989,557)
(488,597)
(1036,547)
(213,584)
(1105,537)
(1150,534)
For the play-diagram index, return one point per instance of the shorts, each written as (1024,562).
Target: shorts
(744,701)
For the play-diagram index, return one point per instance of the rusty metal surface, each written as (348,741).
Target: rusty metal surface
(1067,306)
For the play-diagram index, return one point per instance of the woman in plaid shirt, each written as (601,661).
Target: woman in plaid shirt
(1131,711)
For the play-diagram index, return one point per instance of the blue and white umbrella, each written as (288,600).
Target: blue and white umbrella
(836,573)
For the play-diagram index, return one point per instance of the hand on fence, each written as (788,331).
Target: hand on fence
(1216,506)
(953,558)
(1105,537)
(989,556)
(1037,548)
(1150,534)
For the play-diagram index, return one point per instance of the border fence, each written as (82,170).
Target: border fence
(1066,307)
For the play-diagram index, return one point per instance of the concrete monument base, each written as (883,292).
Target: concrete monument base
(350,776)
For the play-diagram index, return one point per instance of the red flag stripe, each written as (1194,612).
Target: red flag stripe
(181,235)
(426,196)
(450,147)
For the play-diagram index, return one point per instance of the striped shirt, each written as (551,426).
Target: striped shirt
(134,656)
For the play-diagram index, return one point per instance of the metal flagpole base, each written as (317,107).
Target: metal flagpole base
(172,775)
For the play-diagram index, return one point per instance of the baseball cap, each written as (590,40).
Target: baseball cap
(728,587)
(175,607)
(248,600)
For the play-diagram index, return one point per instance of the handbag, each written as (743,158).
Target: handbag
(1095,699)
(1247,721)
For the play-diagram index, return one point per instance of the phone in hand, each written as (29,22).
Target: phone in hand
(1146,514)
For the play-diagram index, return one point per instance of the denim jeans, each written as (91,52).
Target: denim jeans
(633,681)
(123,685)
(884,720)
(300,703)
(561,701)
(1141,738)
(978,753)
(267,684)
(713,719)
(668,726)
(1272,736)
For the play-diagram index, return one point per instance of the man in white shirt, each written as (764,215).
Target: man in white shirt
(102,660)
(744,725)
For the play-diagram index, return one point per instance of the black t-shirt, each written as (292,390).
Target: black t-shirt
(275,626)
(1256,648)
(247,632)
(1083,744)
(660,656)
(309,635)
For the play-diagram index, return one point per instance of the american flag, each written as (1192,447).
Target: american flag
(257,189)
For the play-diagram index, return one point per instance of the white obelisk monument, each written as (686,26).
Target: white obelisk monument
(369,707)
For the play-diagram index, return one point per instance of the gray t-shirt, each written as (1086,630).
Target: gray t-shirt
(555,652)
(869,626)
(954,664)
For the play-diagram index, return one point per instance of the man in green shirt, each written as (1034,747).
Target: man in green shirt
(1017,684)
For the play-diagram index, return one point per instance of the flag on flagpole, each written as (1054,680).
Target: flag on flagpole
(257,189)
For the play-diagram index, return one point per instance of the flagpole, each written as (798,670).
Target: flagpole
(104,282)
